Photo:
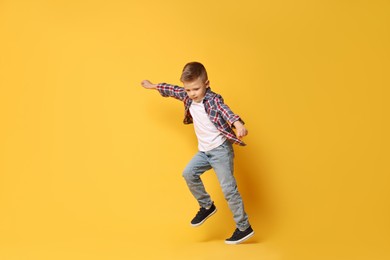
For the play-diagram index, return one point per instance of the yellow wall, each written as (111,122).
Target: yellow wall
(90,163)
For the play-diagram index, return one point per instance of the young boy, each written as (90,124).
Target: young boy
(213,123)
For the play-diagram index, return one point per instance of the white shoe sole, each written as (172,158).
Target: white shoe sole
(200,223)
(241,240)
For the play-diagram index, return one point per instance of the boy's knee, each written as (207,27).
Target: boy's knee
(187,174)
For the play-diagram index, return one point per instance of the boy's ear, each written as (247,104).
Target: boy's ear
(207,84)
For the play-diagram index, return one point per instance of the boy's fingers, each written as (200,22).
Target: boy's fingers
(242,133)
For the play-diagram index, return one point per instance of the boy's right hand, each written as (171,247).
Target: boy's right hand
(148,85)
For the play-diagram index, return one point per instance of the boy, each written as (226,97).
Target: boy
(213,123)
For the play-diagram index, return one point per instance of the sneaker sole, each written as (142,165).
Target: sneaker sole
(200,223)
(241,240)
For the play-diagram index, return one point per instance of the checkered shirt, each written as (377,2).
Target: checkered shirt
(219,113)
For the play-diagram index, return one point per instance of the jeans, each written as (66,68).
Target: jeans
(221,160)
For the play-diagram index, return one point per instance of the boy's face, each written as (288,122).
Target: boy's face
(196,90)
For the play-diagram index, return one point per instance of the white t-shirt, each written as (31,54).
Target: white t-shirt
(208,135)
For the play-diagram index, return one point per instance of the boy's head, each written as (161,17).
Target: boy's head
(192,71)
(195,80)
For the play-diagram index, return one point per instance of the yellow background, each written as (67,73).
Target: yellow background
(90,162)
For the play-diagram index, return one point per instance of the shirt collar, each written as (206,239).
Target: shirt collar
(209,94)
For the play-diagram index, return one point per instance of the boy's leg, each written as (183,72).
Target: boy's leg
(222,161)
(196,167)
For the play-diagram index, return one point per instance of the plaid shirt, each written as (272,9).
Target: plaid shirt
(219,113)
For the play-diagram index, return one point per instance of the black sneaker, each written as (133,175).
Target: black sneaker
(202,215)
(240,236)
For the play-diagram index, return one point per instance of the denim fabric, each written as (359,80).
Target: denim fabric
(221,160)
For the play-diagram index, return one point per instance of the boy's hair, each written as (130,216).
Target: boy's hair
(192,71)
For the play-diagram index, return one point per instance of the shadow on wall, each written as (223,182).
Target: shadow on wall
(251,174)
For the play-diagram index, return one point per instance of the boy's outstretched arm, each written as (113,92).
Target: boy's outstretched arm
(148,85)
(166,90)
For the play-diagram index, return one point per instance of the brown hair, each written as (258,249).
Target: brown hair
(192,71)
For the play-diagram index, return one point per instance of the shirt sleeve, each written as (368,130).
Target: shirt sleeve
(168,90)
(227,113)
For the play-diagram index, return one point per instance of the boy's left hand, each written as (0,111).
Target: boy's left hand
(241,131)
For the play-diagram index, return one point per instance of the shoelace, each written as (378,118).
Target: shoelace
(201,212)
(236,233)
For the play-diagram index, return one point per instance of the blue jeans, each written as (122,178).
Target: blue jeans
(221,160)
